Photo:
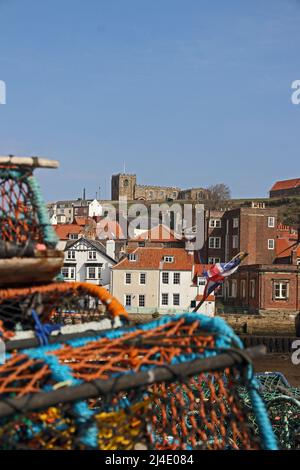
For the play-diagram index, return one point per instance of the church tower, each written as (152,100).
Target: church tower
(123,184)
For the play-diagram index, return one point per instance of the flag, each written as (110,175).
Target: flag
(217,274)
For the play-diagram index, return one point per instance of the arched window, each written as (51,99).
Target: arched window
(126,183)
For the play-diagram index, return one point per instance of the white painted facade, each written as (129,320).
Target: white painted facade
(174,296)
(87,261)
(95,208)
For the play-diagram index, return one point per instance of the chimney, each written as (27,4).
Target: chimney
(110,248)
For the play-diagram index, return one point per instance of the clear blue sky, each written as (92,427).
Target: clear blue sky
(187,92)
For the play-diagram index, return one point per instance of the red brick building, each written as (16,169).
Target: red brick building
(264,288)
(250,229)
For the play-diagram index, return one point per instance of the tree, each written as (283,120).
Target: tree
(218,195)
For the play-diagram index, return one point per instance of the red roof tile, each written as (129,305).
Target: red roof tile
(152,258)
(286,184)
(63,230)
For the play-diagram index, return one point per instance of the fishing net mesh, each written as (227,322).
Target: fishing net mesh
(60,303)
(204,411)
(19,218)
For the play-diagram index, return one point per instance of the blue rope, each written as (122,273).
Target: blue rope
(225,338)
(43,331)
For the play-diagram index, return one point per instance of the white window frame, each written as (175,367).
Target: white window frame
(215,223)
(127,278)
(201,281)
(144,276)
(235,241)
(178,297)
(213,260)
(165,275)
(235,222)
(271,221)
(127,296)
(281,284)
(92,255)
(144,301)
(212,243)
(88,274)
(70,270)
(73,236)
(176,278)
(132,257)
(168,259)
(273,244)
(165,295)
(71,254)
(233,289)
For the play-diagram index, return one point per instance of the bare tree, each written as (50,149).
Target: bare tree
(218,195)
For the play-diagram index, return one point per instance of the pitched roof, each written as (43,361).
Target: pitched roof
(63,230)
(152,258)
(96,244)
(284,247)
(286,184)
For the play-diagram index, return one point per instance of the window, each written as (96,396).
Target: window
(91,272)
(235,222)
(132,257)
(235,241)
(141,300)
(71,254)
(193,303)
(212,260)
(142,278)
(215,223)
(271,221)
(165,299)
(176,299)
(200,195)
(176,278)
(233,288)
(126,183)
(243,288)
(168,259)
(165,278)
(68,273)
(252,288)
(92,255)
(201,281)
(73,236)
(214,242)
(271,244)
(127,278)
(281,290)
(128,300)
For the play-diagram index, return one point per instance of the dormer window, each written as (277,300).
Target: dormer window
(132,257)
(168,259)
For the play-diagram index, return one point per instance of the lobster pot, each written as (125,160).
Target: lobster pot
(27,239)
(162,385)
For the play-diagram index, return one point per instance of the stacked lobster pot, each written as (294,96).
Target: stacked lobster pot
(174,383)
